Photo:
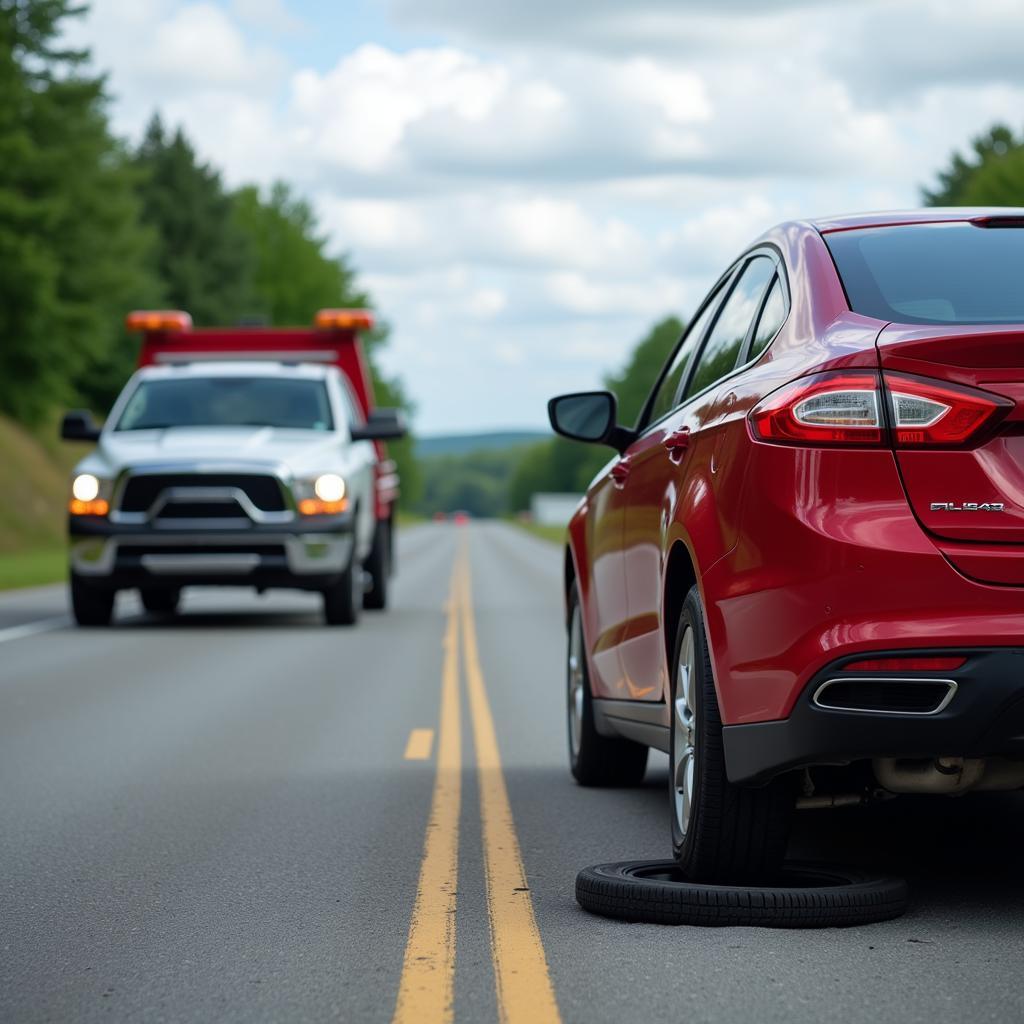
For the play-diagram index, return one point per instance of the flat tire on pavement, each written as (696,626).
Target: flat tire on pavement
(806,896)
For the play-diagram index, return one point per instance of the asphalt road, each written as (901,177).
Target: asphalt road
(213,818)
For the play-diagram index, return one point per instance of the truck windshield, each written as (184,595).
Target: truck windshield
(292,403)
(956,273)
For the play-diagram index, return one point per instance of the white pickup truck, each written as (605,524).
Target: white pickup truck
(258,473)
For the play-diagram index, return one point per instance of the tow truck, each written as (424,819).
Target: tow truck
(237,456)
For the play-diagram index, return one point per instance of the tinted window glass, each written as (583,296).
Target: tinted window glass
(228,402)
(933,273)
(772,318)
(721,350)
(667,397)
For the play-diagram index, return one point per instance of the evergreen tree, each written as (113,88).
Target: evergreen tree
(204,258)
(993,175)
(72,253)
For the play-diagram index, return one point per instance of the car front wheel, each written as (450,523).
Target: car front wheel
(720,832)
(594,760)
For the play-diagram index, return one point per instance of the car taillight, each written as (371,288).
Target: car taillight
(928,413)
(845,408)
(840,408)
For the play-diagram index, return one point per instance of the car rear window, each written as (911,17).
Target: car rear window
(956,273)
(228,402)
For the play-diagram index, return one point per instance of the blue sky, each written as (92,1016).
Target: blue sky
(526,187)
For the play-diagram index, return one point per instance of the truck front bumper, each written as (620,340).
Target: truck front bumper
(309,555)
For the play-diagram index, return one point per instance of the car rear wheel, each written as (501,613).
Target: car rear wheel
(594,760)
(378,565)
(91,605)
(720,832)
(343,600)
(160,600)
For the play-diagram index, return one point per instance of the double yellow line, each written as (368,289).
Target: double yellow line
(427,990)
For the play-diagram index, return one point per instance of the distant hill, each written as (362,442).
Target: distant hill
(464,444)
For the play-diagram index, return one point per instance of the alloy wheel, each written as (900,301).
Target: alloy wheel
(684,738)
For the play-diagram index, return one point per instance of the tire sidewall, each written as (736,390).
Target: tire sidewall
(575,613)
(692,615)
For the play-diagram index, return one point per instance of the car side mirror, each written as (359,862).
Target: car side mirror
(79,425)
(589,416)
(382,425)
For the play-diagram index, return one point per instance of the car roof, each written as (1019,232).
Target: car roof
(928,215)
(235,368)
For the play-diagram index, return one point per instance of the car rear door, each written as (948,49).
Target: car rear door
(669,463)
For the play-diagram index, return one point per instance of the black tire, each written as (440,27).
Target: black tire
(594,760)
(735,834)
(378,565)
(90,605)
(343,601)
(808,896)
(160,600)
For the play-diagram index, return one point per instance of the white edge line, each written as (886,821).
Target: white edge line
(31,628)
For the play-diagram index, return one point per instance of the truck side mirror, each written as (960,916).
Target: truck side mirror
(79,425)
(382,425)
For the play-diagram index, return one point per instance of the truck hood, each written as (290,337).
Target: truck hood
(263,446)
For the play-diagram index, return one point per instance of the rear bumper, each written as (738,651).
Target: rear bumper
(984,718)
(312,555)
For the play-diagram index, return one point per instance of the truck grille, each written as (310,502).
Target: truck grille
(141,492)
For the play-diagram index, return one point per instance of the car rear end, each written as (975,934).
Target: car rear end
(875,604)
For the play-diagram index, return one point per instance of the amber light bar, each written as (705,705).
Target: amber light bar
(344,320)
(158,320)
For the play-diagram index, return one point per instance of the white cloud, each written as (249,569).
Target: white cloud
(528,195)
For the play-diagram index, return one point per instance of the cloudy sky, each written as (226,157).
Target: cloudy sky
(526,186)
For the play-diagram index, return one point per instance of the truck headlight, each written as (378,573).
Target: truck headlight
(89,496)
(330,487)
(322,496)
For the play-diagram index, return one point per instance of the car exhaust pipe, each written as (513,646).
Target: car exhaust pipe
(948,776)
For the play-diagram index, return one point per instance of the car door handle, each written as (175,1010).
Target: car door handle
(676,443)
(620,472)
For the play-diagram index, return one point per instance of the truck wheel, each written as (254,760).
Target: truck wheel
(160,600)
(343,600)
(594,760)
(90,605)
(720,832)
(378,565)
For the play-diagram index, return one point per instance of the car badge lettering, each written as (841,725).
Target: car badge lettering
(967,506)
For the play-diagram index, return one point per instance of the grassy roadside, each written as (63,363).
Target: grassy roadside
(554,534)
(34,471)
(33,568)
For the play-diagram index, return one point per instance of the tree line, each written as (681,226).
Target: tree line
(91,227)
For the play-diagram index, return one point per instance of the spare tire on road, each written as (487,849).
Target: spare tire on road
(806,896)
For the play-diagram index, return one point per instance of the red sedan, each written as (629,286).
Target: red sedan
(802,573)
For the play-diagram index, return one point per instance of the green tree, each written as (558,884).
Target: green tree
(633,383)
(992,174)
(72,253)
(204,258)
